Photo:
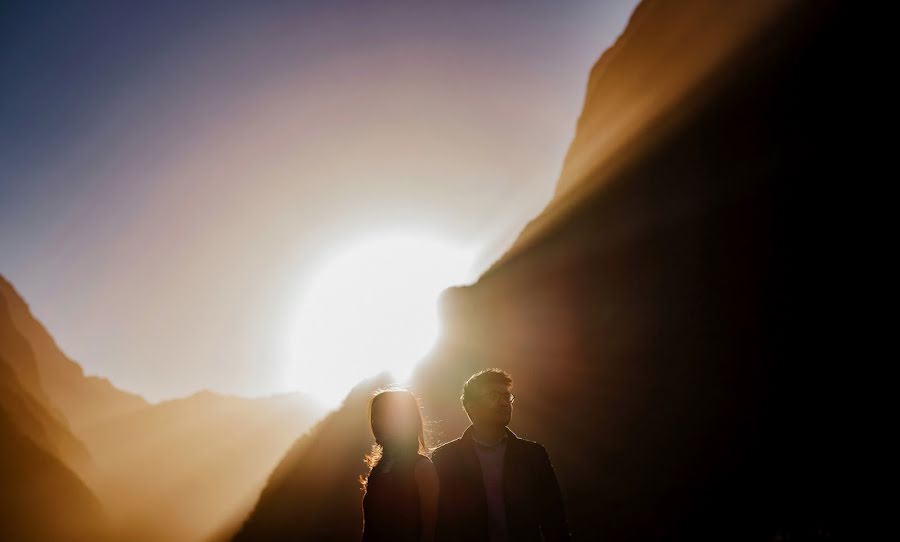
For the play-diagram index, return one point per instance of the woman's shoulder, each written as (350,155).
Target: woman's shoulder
(404,465)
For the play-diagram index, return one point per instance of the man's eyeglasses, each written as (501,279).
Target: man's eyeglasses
(497,397)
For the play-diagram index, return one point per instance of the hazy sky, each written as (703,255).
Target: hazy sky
(172,172)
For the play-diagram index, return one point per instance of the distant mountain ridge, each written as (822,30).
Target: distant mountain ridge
(83,400)
(174,471)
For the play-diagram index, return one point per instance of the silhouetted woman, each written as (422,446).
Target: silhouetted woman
(400,504)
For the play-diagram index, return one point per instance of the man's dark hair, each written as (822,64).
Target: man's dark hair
(473,386)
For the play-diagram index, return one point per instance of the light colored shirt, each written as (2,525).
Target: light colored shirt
(491,459)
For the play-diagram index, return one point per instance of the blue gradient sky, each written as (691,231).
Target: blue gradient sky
(170,170)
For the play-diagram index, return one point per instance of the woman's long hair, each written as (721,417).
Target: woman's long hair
(396,422)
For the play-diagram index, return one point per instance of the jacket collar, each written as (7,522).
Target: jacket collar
(511,438)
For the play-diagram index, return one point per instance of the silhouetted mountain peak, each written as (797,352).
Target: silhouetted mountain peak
(80,399)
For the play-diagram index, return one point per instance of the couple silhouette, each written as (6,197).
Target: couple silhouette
(488,485)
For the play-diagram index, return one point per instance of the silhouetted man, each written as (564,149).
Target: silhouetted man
(496,487)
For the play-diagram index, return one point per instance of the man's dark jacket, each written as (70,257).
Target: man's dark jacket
(534,507)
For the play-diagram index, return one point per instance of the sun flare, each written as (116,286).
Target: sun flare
(369,309)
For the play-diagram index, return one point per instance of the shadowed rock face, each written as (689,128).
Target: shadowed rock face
(29,403)
(41,498)
(663,319)
(45,470)
(669,331)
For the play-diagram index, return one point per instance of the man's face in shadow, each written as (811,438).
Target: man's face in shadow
(491,405)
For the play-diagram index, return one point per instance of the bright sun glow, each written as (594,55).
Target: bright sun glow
(372,308)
